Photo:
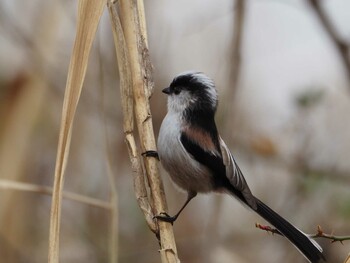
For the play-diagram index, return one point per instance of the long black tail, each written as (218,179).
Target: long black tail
(311,250)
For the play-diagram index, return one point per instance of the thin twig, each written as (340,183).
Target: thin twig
(332,237)
(268,229)
(318,234)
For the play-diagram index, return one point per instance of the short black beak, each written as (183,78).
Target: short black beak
(166,90)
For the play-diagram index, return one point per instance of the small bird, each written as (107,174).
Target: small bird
(198,160)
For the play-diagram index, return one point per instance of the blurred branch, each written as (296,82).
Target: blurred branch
(318,234)
(36,48)
(342,46)
(230,92)
(12,28)
(237,44)
(40,189)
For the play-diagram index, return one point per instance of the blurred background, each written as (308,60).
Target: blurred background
(282,70)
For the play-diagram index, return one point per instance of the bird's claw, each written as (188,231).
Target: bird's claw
(166,217)
(151,153)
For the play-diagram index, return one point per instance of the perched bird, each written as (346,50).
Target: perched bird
(198,160)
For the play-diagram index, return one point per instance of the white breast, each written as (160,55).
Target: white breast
(186,172)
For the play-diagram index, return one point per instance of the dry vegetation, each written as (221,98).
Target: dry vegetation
(99,51)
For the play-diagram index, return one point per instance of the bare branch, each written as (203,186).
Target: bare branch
(342,46)
(318,234)
(268,229)
(332,237)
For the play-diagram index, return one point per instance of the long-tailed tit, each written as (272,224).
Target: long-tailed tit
(198,160)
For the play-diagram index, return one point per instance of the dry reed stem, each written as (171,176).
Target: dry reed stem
(40,189)
(142,20)
(347,260)
(89,14)
(128,117)
(142,89)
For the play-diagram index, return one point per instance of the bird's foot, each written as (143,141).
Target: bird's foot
(151,154)
(166,218)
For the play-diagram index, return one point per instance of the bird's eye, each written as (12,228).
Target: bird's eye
(177,90)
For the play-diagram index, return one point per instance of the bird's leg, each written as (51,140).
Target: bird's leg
(151,154)
(171,219)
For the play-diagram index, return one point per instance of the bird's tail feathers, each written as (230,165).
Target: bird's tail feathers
(308,247)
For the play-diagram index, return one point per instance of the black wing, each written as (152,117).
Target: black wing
(235,175)
(220,161)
